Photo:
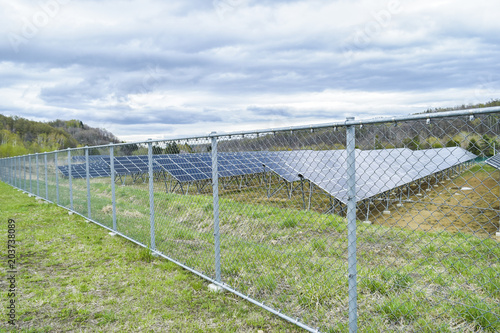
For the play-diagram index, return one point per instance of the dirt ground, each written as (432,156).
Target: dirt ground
(467,204)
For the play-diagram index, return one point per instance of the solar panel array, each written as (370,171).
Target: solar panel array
(377,171)
(92,158)
(193,167)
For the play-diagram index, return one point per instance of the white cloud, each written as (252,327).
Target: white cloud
(152,68)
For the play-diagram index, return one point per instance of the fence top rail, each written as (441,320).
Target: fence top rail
(348,122)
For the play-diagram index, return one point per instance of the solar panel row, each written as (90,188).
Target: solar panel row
(377,171)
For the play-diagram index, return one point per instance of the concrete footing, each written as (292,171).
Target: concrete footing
(367,222)
(215,288)
(386,212)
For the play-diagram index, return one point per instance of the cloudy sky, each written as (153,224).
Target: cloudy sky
(165,69)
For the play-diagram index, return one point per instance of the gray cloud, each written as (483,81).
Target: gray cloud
(187,65)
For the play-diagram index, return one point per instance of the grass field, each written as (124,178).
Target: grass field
(74,276)
(295,260)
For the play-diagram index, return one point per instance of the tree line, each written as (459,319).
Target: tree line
(20,136)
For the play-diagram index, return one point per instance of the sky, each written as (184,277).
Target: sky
(169,69)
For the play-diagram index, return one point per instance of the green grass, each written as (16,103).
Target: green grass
(294,260)
(397,309)
(479,314)
(75,276)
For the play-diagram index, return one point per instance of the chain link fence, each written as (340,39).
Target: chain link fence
(380,225)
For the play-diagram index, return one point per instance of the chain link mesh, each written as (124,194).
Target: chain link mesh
(419,252)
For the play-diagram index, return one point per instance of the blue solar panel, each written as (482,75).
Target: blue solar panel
(377,171)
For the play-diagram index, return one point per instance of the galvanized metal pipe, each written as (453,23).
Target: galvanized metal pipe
(113,193)
(57,178)
(37,178)
(215,191)
(29,161)
(152,245)
(351,226)
(46,178)
(87,175)
(70,180)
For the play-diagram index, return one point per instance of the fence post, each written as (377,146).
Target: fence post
(351,225)
(113,194)
(57,177)
(19,182)
(15,171)
(29,162)
(87,175)
(19,172)
(46,177)
(37,176)
(24,169)
(215,190)
(152,246)
(70,185)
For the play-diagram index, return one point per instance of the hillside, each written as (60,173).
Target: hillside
(19,136)
(494,102)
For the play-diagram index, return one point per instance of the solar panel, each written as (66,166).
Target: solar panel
(98,169)
(494,161)
(77,170)
(192,167)
(184,168)
(377,171)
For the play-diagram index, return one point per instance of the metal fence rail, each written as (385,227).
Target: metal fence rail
(379,225)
